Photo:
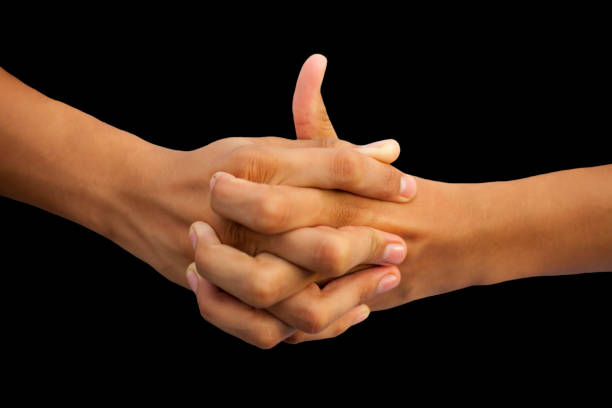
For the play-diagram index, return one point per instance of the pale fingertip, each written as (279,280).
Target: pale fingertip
(205,233)
(192,278)
(408,188)
(320,57)
(216,176)
(394,251)
(364,312)
(387,283)
(393,254)
(213,180)
(193,238)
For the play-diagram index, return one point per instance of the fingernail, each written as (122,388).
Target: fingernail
(192,278)
(408,187)
(203,231)
(192,237)
(387,283)
(216,176)
(394,254)
(364,313)
(213,180)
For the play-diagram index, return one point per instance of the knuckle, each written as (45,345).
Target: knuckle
(329,142)
(262,292)
(347,167)
(391,182)
(239,237)
(313,319)
(345,212)
(271,214)
(332,255)
(254,163)
(266,338)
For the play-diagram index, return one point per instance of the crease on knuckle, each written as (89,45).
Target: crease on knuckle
(391,182)
(329,142)
(331,255)
(347,167)
(254,163)
(239,237)
(344,212)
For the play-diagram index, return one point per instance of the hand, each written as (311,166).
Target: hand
(431,275)
(447,230)
(172,189)
(174,192)
(280,278)
(286,288)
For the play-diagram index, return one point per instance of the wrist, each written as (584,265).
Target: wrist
(551,224)
(163,192)
(515,226)
(453,238)
(120,171)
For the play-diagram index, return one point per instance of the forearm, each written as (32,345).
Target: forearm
(552,224)
(459,235)
(62,160)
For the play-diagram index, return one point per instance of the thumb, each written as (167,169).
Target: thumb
(309,113)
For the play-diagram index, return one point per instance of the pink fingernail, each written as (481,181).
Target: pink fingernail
(213,180)
(394,254)
(193,237)
(203,232)
(192,278)
(387,283)
(408,186)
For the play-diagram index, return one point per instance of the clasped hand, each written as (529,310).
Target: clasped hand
(281,270)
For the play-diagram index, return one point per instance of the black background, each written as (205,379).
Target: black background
(468,103)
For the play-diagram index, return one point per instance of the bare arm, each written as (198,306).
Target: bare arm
(457,235)
(62,160)
(553,224)
(144,197)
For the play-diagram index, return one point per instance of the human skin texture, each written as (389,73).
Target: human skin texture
(457,235)
(144,197)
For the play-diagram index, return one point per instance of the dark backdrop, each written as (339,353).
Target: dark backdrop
(467,103)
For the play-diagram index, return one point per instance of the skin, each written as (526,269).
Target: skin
(145,197)
(457,235)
